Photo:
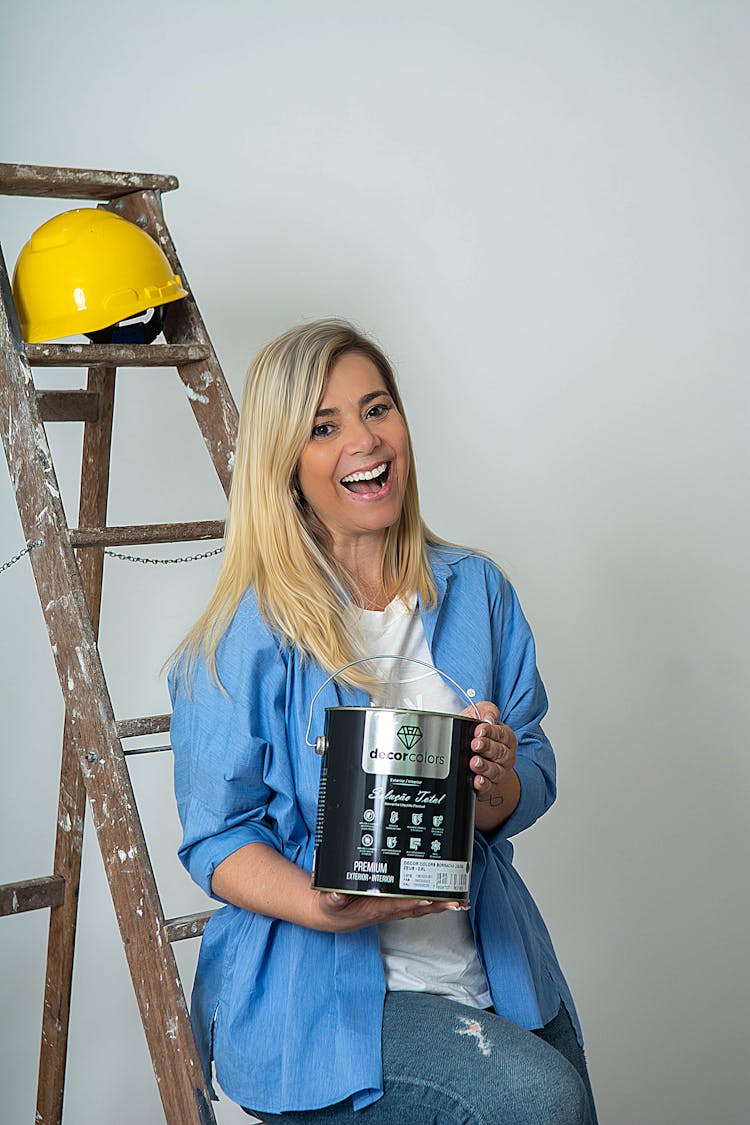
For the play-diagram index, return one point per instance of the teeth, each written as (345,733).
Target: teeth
(369,475)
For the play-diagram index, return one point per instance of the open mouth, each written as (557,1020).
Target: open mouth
(369,482)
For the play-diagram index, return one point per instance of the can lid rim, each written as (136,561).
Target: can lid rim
(406,711)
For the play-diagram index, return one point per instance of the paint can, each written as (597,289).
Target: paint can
(396,802)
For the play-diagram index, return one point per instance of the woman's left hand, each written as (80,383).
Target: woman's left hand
(494,745)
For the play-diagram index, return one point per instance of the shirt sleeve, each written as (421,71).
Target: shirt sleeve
(520,695)
(220,741)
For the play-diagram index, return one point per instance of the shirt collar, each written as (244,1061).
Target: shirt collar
(441,564)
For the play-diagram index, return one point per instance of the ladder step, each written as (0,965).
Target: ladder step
(78,183)
(32,894)
(191,925)
(68,406)
(150,724)
(146,533)
(115,355)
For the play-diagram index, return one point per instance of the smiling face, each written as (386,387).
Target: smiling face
(353,470)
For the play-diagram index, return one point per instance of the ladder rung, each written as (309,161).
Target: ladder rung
(78,183)
(115,355)
(32,894)
(146,533)
(147,750)
(191,925)
(68,406)
(150,724)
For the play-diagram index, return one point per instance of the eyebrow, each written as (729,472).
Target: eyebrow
(365,399)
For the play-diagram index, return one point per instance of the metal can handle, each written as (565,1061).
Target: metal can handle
(386,656)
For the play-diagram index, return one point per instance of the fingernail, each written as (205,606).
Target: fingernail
(424,902)
(336,897)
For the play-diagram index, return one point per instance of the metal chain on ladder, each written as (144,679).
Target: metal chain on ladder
(163,562)
(119,555)
(20,555)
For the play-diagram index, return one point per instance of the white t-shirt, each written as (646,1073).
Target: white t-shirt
(436,953)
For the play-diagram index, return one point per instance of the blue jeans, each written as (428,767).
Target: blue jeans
(447,1064)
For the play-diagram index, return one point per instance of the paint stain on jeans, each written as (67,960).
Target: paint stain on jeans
(476,1031)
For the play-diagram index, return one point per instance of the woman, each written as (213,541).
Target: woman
(319,1006)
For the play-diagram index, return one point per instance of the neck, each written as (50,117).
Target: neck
(376,599)
(362,562)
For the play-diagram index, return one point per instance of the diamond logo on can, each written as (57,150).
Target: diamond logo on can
(408,736)
(407,743)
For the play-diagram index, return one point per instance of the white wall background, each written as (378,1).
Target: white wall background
(540,209)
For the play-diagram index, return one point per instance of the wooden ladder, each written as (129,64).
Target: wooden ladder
(68,566)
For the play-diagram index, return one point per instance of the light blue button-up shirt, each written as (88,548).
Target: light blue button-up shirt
(293,1016)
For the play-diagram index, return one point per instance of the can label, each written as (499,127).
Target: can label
(394,743)
(435,875)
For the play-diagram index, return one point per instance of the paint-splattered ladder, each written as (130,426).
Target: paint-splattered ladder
(68,567)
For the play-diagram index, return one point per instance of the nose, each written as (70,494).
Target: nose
(360,437)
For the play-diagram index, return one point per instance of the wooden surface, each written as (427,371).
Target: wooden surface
(151,724)
(209,395)
(94,739)
(31,894)
(77,183)
(71,808)
(70,594)
(67,406)
(97,442)
(191,925)
(114,355)
(147,533)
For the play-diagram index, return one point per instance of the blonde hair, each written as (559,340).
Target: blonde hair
(273,541)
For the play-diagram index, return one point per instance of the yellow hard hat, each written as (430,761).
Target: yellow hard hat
(85,270)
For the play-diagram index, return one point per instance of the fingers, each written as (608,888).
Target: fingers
(495,742)
(436,908)
(489,711)
(383,909)
(486,774)
(333,901)
(494,745)
(352,912)
(397,909)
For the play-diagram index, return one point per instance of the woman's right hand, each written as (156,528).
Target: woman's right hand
(342,913)
(258,878)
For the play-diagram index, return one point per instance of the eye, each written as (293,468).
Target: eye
(322,430)
(378,410)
